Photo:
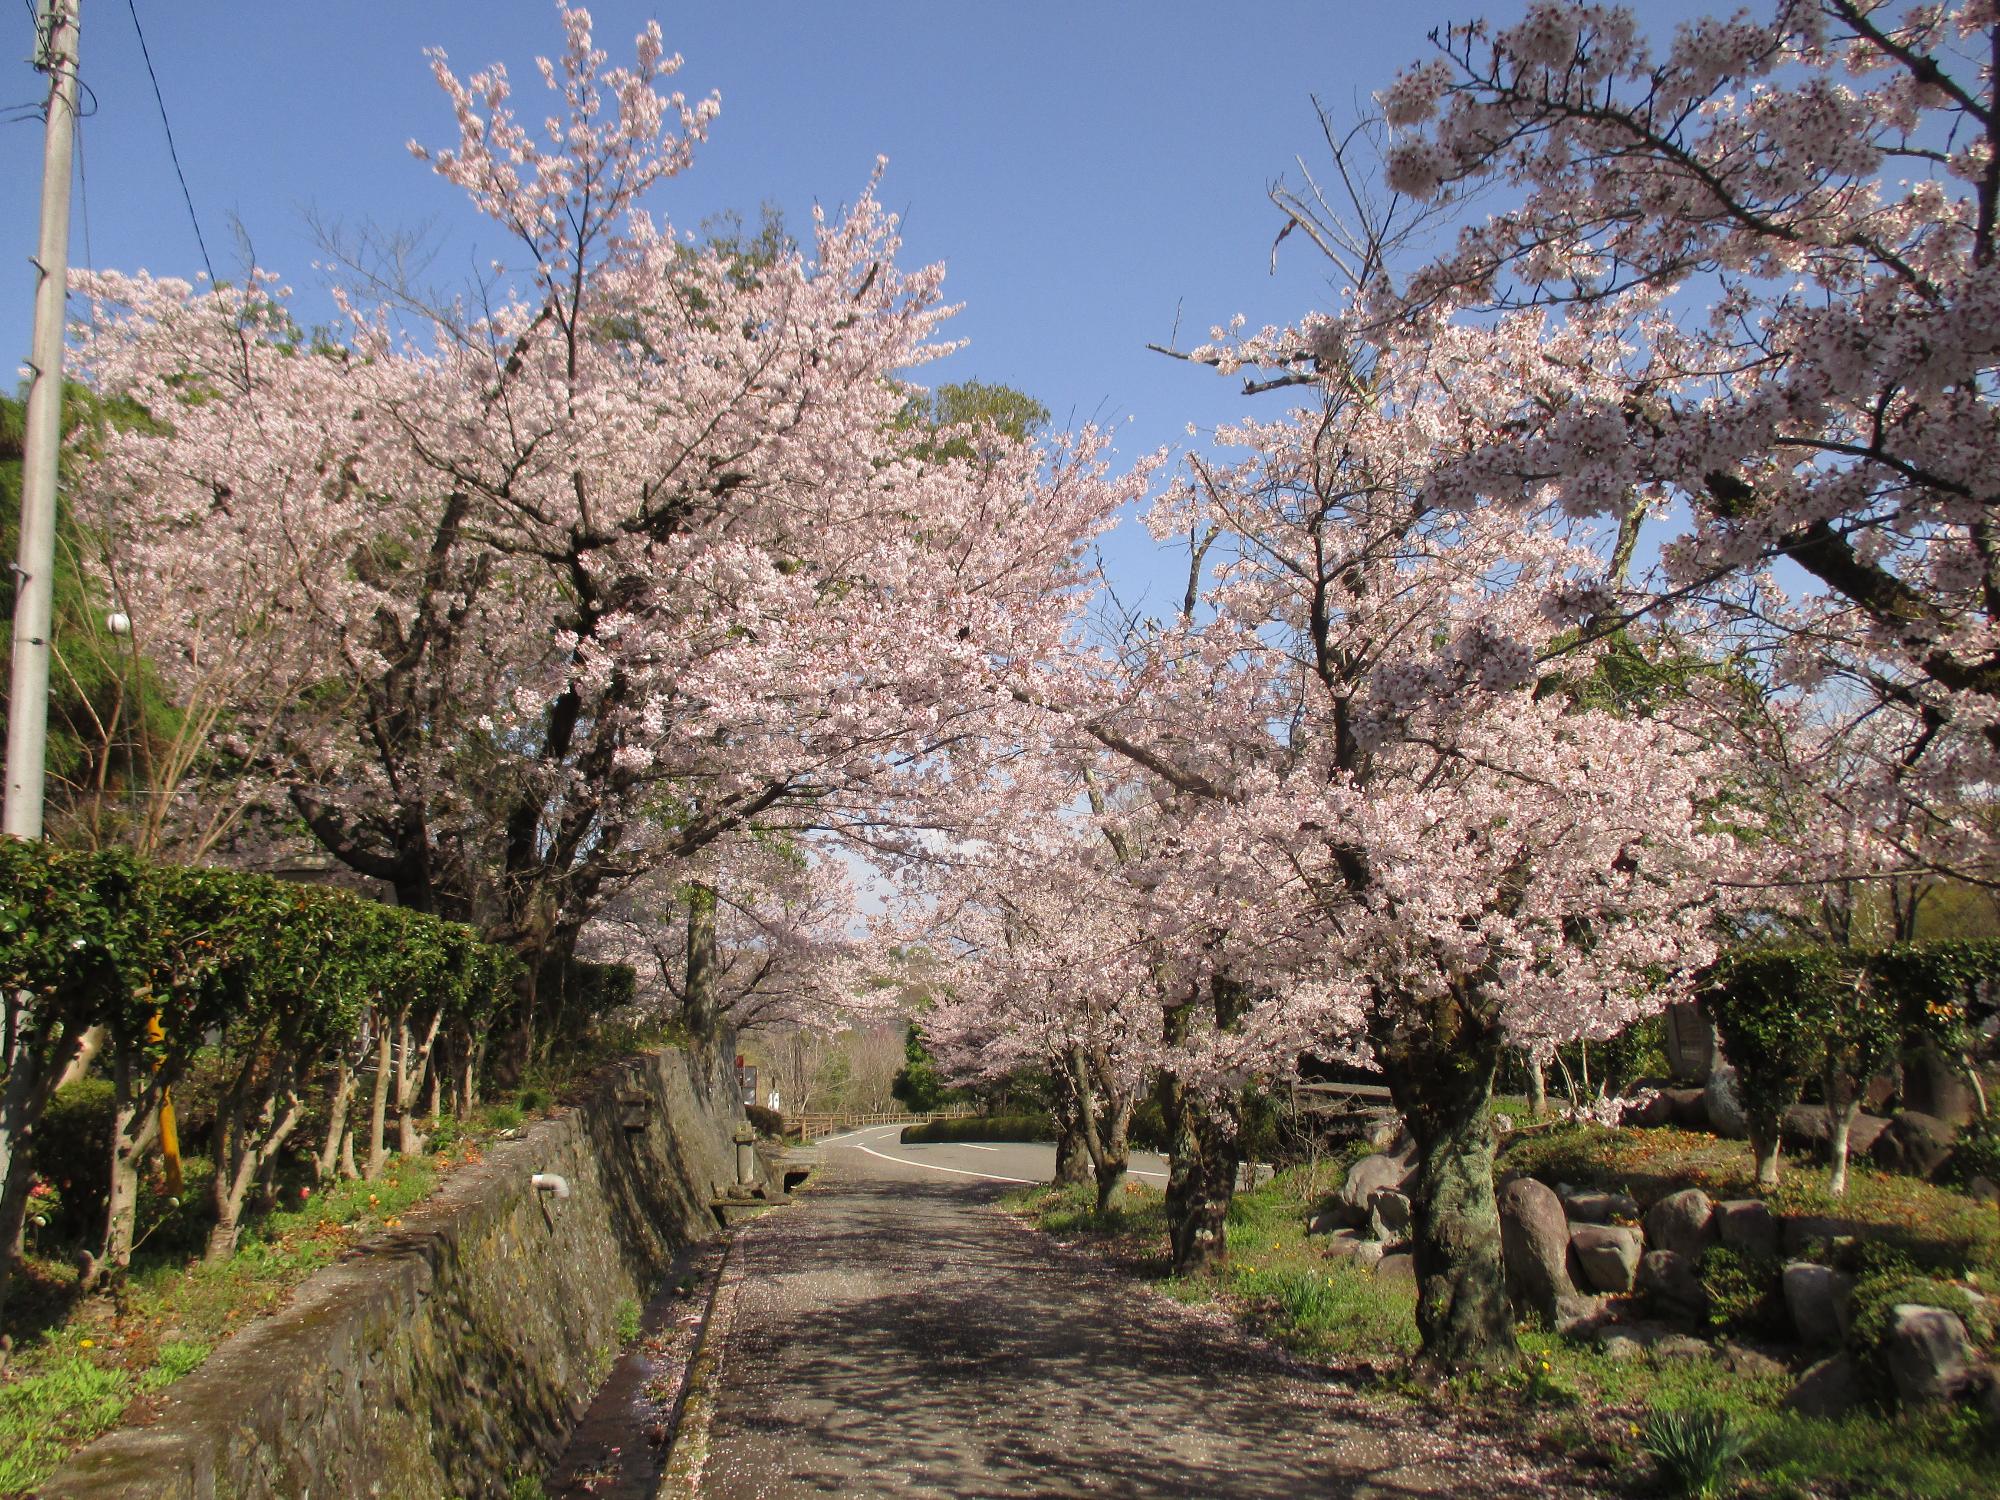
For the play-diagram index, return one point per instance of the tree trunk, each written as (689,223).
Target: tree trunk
(1538,1085)
(1764,1143)
(413,1062)
(1440,1068)
(241,1151)
(1201,1177)
(700,1007)
(1843,1103)
(328,1159)
(135,1122)
(348,1169)
(378,1110)
(1072,1164)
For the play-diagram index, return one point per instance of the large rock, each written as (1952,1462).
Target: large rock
(1389,1216)
(1805,1127)
(1682,1222)
(1828,1389)
(1608,1255)
(1654,1109)
(1534,1241)
(1668,1279)
(1817,1297)
(1935,1085)
(1687,1108)
(1747,1226)
(1916,1144)
(1928,1354)
(1346,1245)
(1596,1207)
(1723,1104)
(1371,1175)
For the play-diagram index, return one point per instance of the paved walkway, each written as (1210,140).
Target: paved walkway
(892,1335)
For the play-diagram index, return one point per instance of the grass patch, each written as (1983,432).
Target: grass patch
(93,1360)
(1565,1397)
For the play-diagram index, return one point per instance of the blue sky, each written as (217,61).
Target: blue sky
(1090,172)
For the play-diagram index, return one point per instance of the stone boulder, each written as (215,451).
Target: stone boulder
(1935,1085)
(1389,1216)
(1687,1108)
(1682,1222)
(1595,1207)
(1346,1245)
(1668,1280)
(1534,1242)
(1747,1226)
(1805,1128)
(1655,1109)
(1817,1298)
(1928,1354)
(1723,1105)
(1608,1256)
(1371,1175)
(1915,1144)
(1983,1190)
(1826,1390)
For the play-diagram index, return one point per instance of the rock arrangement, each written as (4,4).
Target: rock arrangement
(1594,1265)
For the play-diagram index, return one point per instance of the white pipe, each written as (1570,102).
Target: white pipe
(549,1182)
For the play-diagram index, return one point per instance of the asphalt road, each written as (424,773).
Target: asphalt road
(1007,1164)
(891,1335)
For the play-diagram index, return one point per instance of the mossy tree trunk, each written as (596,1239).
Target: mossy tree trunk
(1072,1161)
(1440,1058)
(1203,1142)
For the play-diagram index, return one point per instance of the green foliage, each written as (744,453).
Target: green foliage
(956,415)
(768,1122)
(1976,1152)
(1770,1005)
(106,708)
(981,1128)
(625,1320)
(1746,1292)
(1694,1448)
(918,1085)
(68,1152)
(1879,1291)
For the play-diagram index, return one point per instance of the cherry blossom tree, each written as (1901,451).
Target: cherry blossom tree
(1770,243)
(648,559)
(1398,828)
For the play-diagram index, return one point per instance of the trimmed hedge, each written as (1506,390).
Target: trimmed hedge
(1790,1016)
(990,1128)
(274,984)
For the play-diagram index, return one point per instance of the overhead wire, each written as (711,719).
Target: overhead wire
(173,152)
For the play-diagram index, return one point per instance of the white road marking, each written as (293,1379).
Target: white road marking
(928,1167)
(970,1147)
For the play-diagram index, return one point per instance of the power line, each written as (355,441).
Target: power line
(167,125)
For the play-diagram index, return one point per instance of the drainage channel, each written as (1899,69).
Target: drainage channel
(620,1448)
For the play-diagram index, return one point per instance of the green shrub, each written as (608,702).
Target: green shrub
(766,1121)
(1746,1293)
(1976,1152)
(71,1151)
(1873,1312)
(988,1128)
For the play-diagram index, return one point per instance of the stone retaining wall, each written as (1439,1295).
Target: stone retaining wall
(458,1350)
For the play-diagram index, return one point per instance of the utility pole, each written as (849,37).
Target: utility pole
(34,580)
